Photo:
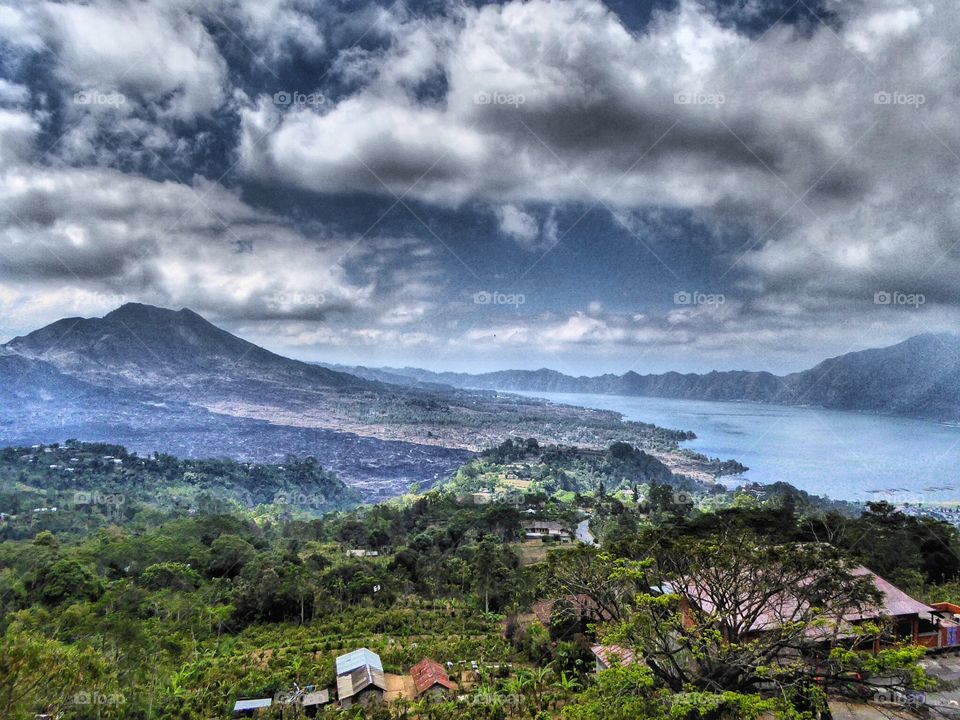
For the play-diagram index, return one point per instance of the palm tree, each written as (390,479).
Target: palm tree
(539,681)
(296,665)
(568,684)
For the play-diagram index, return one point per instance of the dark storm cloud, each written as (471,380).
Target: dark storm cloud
(359,172)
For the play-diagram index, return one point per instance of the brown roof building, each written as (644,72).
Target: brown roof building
(608,655)
(430,676)
(913,621)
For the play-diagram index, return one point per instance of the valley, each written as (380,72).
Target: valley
(162,380)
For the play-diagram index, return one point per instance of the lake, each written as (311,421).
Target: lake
(843,455)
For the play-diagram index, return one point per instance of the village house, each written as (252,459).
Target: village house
(607,656)
(910,620)
(546,529)
(947,622)
(430,677)
(360,679)
(359,553)
(913,621)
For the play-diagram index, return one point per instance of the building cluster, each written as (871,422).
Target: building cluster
(551,529)
(935,627)
(361,682)
(944,513)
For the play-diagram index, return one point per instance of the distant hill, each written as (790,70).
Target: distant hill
(734,385)
(919,377)
(143,345)
(169,380)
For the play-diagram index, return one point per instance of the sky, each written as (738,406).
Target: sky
(588,186)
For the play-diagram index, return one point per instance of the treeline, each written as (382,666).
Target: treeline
(76,487)
(172,613)
(568,469)
(181,618)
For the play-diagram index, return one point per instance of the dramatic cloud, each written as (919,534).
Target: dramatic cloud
(158,54)
(397,162)
(88,239)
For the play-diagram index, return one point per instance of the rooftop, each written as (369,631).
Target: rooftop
(607,653)
(356,659)
(550,525)
(317,697)
(349,684)
(252,704)
(428,673)
(783,607)
(895,601)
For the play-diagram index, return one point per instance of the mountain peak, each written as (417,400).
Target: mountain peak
(141,312)
(144,344)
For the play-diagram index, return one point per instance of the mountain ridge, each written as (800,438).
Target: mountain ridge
(167,379)
(918,377)
(135,336)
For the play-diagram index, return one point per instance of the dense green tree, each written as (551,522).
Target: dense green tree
(170,575)
(66,580)
(229,554)
(493,565)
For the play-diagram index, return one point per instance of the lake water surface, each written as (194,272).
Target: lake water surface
(843,455)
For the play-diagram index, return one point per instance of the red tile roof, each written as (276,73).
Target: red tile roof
(428,673)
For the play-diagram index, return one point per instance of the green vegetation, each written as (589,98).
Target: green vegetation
(557,469)
(189,598)
(78,487)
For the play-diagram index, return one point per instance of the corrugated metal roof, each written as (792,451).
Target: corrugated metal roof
(252,704)
(360,679)
(319,697)
(358,658)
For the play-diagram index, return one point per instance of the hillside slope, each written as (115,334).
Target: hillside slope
(919,377)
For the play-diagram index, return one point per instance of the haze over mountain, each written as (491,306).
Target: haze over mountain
(162,379)
(169,380)
(919,377)
(143,345)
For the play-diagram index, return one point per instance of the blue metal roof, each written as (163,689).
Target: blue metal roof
(357,659)
(252,704)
